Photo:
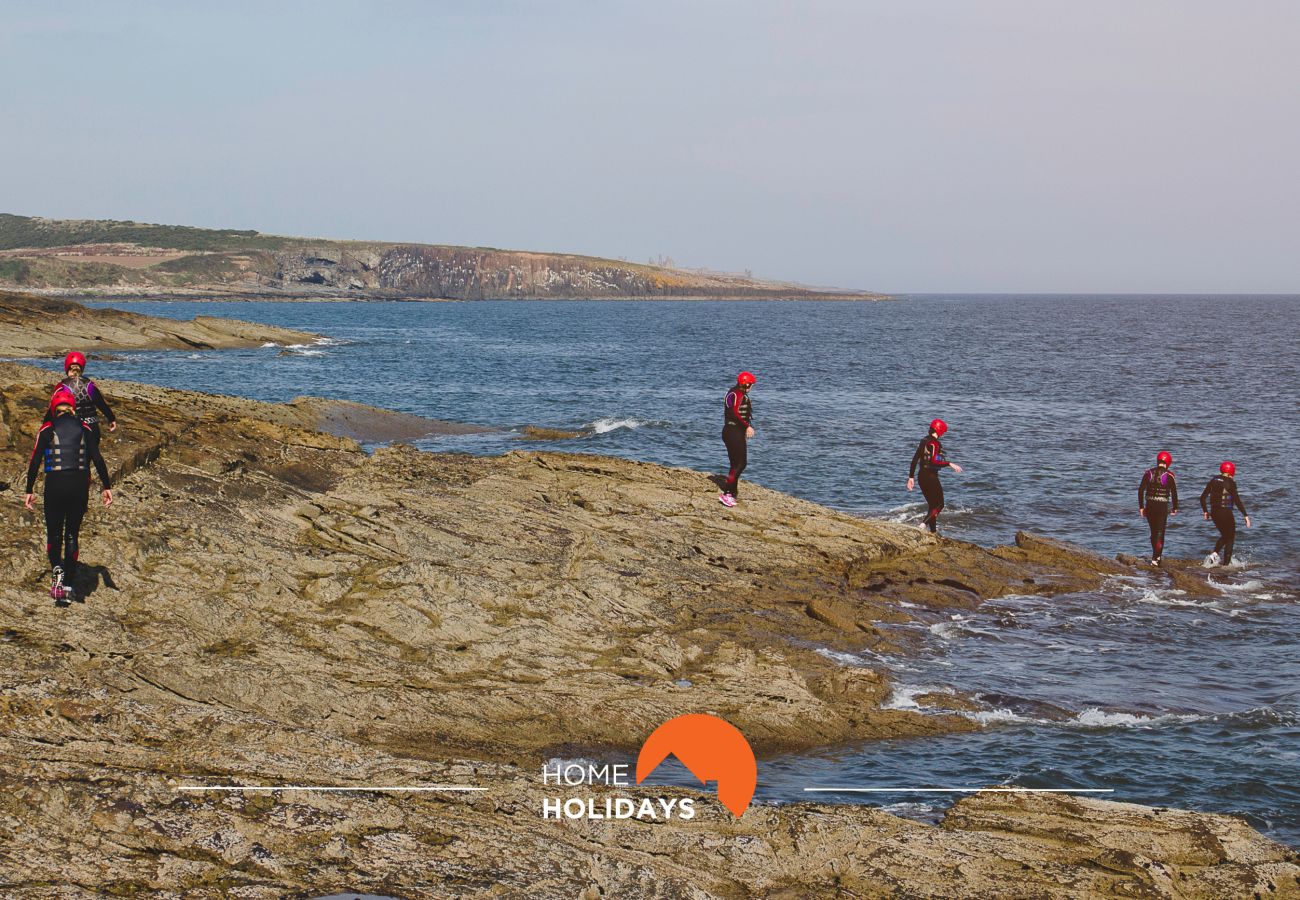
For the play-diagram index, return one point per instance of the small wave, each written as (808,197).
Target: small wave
(903,696)
(269,344)
(608,424)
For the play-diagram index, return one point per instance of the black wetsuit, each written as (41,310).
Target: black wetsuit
(1220,499)
(737,418)
(929,457)
(1158,495)
(66,447)
(91,403)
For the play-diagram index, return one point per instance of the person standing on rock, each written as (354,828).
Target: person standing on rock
(1158,500)
(737,429)
(90,399)
(929,459)
(66,447)
(1219,502)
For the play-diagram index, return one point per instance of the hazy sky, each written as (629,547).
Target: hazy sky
(1107,145)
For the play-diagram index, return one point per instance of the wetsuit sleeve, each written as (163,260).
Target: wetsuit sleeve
(38,453)
(101,402)
(1205,495)
(1142,489)
(96,458)
(733,407)
(916,459)
(934,455)
(1173,493)
(1236,498)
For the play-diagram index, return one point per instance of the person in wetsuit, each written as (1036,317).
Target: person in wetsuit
(929,459)
(66,448)
(737,429)
(91,403)
(1158,500)
(1219,502)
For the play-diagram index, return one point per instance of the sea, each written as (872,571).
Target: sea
(1056,404)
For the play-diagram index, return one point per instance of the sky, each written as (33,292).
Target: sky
(906,146)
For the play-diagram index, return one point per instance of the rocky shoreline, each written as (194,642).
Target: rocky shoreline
(267,603)
(32,326)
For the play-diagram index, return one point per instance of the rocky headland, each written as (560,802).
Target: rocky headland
(267,604)
(111,258)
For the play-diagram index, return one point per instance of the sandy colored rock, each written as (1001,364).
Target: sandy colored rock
(266,603)
(32,326)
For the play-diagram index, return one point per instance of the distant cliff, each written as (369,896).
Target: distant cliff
(129,258)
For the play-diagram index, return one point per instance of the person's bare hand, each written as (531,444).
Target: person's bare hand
(749,432)
(956,468)
(108,498)
(29,501)
(911,483)
(112,426)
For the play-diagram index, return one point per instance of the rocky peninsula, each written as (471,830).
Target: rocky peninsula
(110,258)
(266,603)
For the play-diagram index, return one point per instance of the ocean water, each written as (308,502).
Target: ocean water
(1056,405)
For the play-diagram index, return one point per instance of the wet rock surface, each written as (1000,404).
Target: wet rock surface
(268,604)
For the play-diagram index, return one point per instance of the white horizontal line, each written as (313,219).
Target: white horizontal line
(308,787)
(958,790)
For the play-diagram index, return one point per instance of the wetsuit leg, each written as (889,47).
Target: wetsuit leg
(932,488)
(1157,518)
(55,517)
(76,511)
(66,496)
(1226,521)
(737,456)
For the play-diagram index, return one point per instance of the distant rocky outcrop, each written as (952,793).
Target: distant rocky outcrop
(269,604)
(32,326)
(109,257)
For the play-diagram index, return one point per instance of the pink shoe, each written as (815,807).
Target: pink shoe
(726,499)
(57,590)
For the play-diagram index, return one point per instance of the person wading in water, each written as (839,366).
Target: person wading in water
(929,457)
(1158,500)
(1219,502)
(737,429)
(66,447)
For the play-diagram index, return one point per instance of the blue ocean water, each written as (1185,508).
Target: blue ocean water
(1056,405)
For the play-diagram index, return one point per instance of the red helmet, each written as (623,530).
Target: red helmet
(1164,458)
(745,378)
(74,359)
(939,426)
(1228,468)
(62,395)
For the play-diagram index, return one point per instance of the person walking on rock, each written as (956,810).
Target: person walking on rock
(1219,502)
(929,459)
(90,399)
(1158,500)
(66,447)
(737,429)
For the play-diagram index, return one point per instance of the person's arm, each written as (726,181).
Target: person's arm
(1173,495)
(101,402)
(92,450)
(1236,498)
(1142,490)
(935,455)
(1205,496)
(916,460)
(38,453)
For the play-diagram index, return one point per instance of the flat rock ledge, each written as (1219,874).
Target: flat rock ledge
(32,326)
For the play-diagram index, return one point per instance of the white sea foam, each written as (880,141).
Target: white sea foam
(608,424)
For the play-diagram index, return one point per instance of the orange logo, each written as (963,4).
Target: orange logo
(712,749)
